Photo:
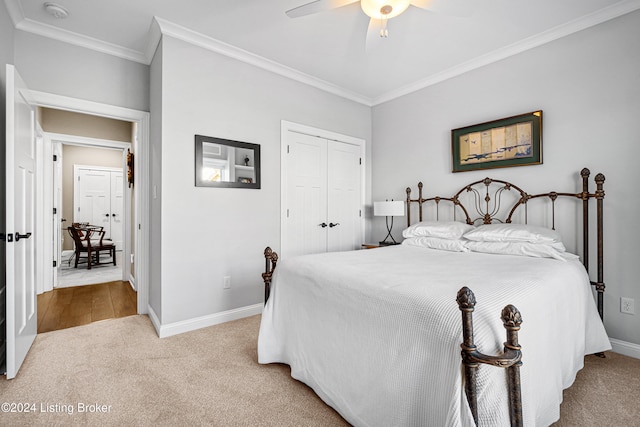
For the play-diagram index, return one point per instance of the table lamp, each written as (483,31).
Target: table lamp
(388,209)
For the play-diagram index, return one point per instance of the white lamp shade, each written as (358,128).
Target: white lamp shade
(389,208)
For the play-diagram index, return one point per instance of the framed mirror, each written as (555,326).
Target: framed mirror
(226,163)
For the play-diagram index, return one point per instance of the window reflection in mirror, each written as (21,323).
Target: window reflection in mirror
(226,163)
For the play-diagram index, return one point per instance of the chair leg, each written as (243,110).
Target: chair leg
(77,259)
(113,254)
(89,260)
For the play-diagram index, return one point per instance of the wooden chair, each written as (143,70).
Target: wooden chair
(90,240)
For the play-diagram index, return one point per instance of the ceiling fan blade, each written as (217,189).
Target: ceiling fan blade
(460,8)
(317,6)
(373,41)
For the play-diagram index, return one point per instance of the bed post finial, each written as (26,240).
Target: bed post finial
(510,358)
(466,303)
(270,261)
(585,172)
(512,319)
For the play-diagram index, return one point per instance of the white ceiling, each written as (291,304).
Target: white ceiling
(329,47)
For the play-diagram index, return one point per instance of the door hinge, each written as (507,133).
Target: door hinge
(360,161)
(78,178)
(360,213)
(55,263)
(55,158)
(287,148)
(287,213)
(55,211)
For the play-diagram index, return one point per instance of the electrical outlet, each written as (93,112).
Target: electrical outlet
(627,305)
(226,282)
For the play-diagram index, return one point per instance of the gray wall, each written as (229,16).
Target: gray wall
(209,233)
(155,165)
(588,85)
(63,69)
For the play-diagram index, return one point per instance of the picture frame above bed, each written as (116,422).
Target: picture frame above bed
(512,141)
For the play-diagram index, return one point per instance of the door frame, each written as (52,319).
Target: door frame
(141,183)
(287,126)
(52,251)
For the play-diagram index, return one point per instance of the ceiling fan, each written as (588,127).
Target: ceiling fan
(380,11)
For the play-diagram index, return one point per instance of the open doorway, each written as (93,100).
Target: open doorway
(87,183)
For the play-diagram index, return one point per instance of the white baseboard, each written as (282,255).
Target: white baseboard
(132,281)
(204,321)
(626,348)
(154,319)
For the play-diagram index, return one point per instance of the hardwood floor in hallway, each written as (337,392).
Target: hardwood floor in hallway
(67,307)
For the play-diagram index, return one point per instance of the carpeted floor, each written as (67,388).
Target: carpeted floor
(118,372)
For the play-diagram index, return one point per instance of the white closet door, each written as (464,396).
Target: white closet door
(94,198)
(306,183)
(323,196)
(117,208)
(343,165)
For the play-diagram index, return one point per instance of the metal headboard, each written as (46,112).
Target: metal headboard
(487,203)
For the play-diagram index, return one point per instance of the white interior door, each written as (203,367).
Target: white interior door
(344,198)
(306,183)
(20,221)
(93,198)
(322,194)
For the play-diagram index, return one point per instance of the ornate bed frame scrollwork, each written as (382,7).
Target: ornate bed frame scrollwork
(486,196)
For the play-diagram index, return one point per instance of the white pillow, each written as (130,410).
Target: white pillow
(441,229)
(513,233)
(437,243)
(537,250)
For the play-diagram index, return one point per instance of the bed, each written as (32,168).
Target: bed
(378,333)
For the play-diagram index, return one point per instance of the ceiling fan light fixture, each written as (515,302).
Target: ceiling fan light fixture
(384,9)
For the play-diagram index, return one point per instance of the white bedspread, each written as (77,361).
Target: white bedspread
(376,333)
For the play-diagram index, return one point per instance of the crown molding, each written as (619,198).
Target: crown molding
(76,39)
(595,18)
(214,45)
(160,27)
(16,13)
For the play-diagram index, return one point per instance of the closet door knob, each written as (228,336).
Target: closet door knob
(331,224)
(323,225)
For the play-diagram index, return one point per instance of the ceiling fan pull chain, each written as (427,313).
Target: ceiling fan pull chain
(384,33)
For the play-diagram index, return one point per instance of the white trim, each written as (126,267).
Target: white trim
(85,141)
(14,7)
(287,126)
(141,186)
(183,326)
(161,27)
(627,348)
(154,319)
(132,281)
(209,43)
(579,24)
(77,39)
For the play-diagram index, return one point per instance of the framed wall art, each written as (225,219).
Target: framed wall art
(512,141)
